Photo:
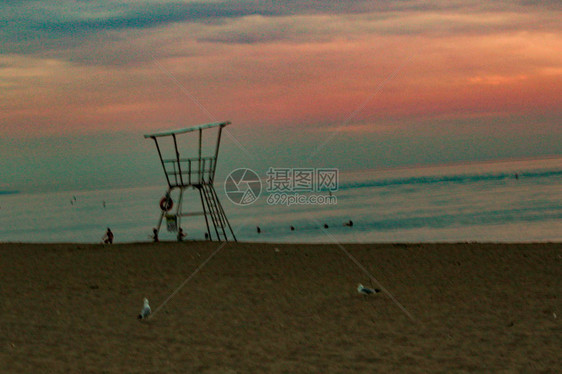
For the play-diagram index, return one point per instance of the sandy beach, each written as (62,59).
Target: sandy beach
(276,308)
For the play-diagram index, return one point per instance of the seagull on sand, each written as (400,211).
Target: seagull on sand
(145,312)
(366,291)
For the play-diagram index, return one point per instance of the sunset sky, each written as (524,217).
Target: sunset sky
(346,84)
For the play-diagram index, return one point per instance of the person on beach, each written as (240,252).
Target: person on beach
(181,234)
(155,235)
(108,237)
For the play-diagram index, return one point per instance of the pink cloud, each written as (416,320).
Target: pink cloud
(454,70)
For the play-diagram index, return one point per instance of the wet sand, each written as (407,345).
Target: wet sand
(276,308)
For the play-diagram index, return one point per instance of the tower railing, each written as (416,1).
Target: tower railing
(189,171)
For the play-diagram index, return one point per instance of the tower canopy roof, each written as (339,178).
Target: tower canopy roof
(186,129)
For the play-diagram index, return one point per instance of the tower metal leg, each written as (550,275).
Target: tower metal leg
(211,211)
(179,208)
(222,213)
(214,209)
(162,213)
(215,205)
(205,214)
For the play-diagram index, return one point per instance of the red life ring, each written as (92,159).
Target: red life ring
(166,204)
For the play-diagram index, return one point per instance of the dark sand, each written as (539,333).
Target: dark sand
(253,309)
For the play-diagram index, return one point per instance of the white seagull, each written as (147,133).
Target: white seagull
(145,312)
(366,291)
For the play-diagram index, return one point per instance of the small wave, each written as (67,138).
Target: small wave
(8,192)
(450,179)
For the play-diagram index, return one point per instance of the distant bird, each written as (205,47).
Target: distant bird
(145,312)
(348,224)
(366,291)
(326,226)
(258,229)
(292,228)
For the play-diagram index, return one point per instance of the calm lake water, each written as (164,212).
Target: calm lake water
(516,201)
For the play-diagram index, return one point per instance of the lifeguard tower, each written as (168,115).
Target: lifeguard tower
(192,173)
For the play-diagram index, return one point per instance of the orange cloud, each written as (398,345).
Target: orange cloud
(316,69)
